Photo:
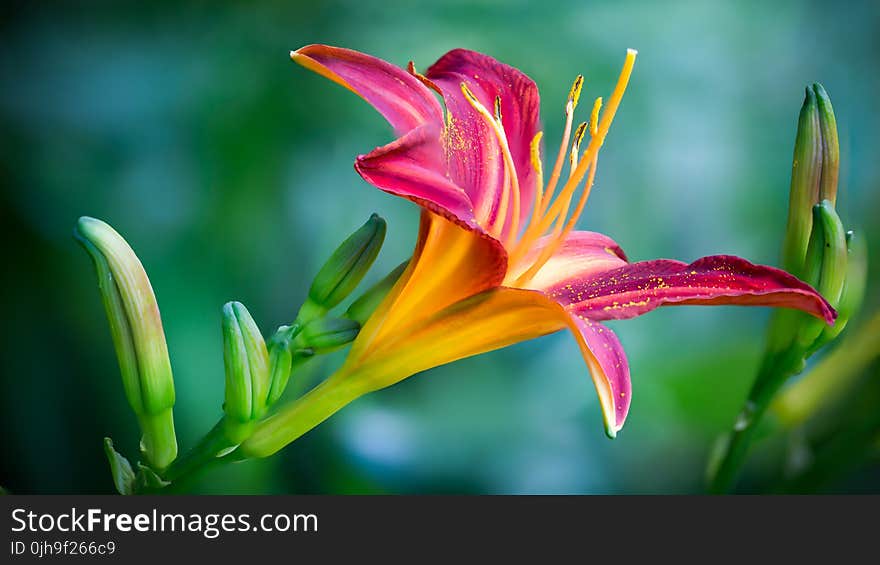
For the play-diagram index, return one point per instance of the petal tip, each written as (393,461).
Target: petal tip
(611,431)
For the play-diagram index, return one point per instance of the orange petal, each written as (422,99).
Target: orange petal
(490,320)
(450,263)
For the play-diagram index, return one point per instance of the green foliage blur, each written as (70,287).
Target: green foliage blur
(229,170)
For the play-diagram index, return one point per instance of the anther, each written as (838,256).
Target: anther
(575,147)
(594,116)
(575,93)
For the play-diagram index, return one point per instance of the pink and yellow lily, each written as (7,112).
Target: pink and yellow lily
(498,260)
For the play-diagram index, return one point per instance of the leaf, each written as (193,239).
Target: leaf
(148,479)
(120,468)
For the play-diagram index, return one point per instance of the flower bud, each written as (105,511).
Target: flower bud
(246,360)
(830,146)
(327,334)
(814,174)
(824,266)
(138,337)
(806,172)
(345,268)
(853,287)
(362,308)
(280,362)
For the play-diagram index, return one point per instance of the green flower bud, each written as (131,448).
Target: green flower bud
(814,174)
(344,269)
(138,337)
(825,265)
(280,362)
(246,360)
(327,334)
(362,308)
(853,287)
(806,172)
(830,146)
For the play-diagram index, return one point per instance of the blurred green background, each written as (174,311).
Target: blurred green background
(229,170)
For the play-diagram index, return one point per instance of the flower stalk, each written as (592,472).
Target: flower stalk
(818,250)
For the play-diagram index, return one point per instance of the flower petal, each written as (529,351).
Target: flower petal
(638,288)
(409,167)
(608,367)
(475,155)
(491,320)
(484,322)
(413,166)
(582,255)
(400,97)
(449,264)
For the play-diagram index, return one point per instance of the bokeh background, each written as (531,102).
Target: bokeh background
(229,170)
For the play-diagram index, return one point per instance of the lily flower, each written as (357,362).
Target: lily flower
(498,260)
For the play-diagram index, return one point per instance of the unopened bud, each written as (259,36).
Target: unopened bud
(280,362)
(327,334)
(814,174)
(830,146)
(825,265)
(362,308)
(853,287)
(345,268)
(138,337)
(806,171)
(246,361)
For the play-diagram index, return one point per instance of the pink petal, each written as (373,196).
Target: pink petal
(408,167)
(608,367)
(475,161)
(638,288)
(582,255)
(400,97)
(413,166)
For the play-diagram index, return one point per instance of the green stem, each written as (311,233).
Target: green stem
(832,377)
(211,447)
(775,371)
(297,418)
(158,439)
(206,451)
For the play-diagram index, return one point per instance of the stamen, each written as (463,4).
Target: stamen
(543,197)
(511,182)
(573,156)
(560,233)
(585,194)
(573,96)
(594,117)
(498,110)
(411,69)
(598,130)
(535,154)
(597,140)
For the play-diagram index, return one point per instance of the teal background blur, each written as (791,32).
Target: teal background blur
(229,170)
